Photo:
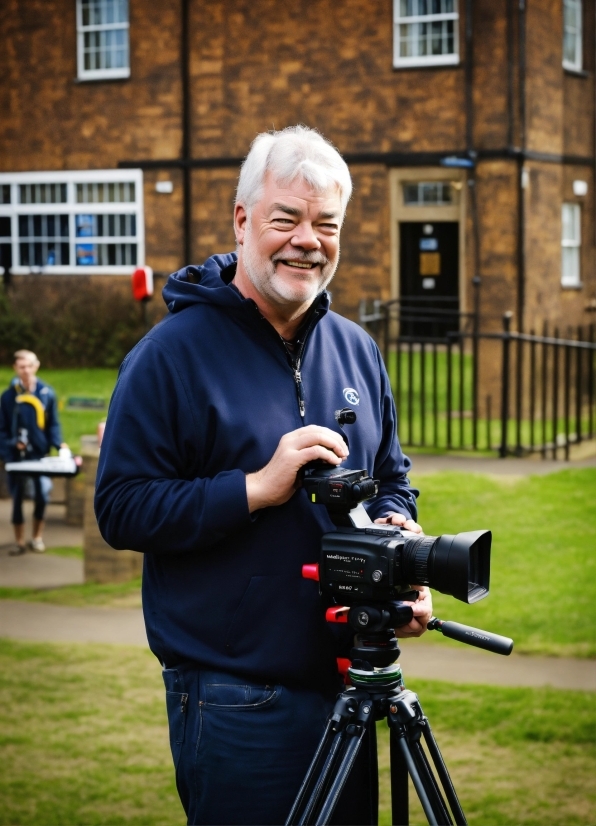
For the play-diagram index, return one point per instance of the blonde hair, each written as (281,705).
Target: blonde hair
(26,354)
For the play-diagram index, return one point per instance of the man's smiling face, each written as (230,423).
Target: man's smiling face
(289,244)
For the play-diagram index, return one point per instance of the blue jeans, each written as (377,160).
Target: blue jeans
(42,486)
(241,749)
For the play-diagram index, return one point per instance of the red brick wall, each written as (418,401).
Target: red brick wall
(259,64)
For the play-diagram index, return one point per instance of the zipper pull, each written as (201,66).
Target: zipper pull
(300,391)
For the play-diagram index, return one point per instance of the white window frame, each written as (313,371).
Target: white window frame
(577,64)
(72,208)
(98,74)
(571,279)
(400,62)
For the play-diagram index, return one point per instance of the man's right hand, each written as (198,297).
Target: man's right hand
(276,482)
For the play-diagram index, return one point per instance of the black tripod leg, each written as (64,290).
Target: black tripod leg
(416,780)
(310,773)
(432,787)
(353,743)
(400,809)
(322,781)
(444,777)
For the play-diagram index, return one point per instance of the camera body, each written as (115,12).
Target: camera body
(358,564)
(363,562)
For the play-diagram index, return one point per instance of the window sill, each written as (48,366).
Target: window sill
(579,286)
(434,66)
(73,270)
(102,78)
(575,72)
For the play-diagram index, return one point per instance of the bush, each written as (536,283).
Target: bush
(72,321)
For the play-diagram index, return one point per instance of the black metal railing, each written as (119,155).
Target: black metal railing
(470,389)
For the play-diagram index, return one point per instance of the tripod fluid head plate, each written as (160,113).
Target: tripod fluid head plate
(379,680)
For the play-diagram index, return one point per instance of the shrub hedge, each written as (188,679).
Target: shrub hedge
(73,321)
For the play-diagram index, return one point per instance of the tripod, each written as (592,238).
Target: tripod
(378,692)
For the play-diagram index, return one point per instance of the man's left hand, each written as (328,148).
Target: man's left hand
(423,611)
(401,521)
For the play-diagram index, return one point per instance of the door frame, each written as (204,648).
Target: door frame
(431,214)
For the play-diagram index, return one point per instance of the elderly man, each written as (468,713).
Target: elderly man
(29,427)
(214,414)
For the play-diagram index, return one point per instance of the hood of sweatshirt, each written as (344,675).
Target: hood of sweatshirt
(203,284)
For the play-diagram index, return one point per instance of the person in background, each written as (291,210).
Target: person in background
(29,427)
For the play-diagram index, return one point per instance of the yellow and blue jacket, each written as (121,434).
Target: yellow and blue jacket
(34,411)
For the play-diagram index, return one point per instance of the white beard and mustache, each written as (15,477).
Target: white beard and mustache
(262,272)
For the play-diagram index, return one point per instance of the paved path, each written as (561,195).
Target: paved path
(60,623)
(57,623)
(40,570)
(423,463)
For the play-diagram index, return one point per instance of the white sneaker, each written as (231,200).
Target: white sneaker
(37,545)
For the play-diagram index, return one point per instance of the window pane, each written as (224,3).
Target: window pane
(5,230)
(122,192)
(42,193)
(570,216)
(104,12)
(572,33)
(570,266)
(100,226)
(6,256)
(428,193)
(86,255)
(5,194)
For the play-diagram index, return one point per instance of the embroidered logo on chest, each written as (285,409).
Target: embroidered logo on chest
(351,396)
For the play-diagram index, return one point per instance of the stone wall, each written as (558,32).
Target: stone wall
(102,563)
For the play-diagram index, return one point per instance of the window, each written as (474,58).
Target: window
(570,245)
(429,193)
(572,34)
(102,39)
(72,222)
(425,32)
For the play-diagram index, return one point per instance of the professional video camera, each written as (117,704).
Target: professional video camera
(367,571)
(363,561)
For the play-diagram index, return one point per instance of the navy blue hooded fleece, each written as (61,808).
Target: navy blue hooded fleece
(202,400)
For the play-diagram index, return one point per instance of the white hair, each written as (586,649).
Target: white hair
(291,153)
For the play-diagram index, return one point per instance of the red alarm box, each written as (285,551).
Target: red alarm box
(142,284)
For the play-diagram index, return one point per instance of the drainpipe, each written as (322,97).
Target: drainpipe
(472,189)
(510,98)
(472,180)
(186,147)
(521,178)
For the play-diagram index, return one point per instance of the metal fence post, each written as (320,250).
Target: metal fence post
(505,383)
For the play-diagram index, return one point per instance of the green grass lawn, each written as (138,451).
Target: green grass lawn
(507,750)
(543,560)
(543,564)
(97,383)
(83,740)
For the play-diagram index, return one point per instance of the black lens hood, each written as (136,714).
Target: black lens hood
(461,565)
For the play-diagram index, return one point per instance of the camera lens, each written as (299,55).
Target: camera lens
(455,565)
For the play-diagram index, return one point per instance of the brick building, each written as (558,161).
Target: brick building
(469,128)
